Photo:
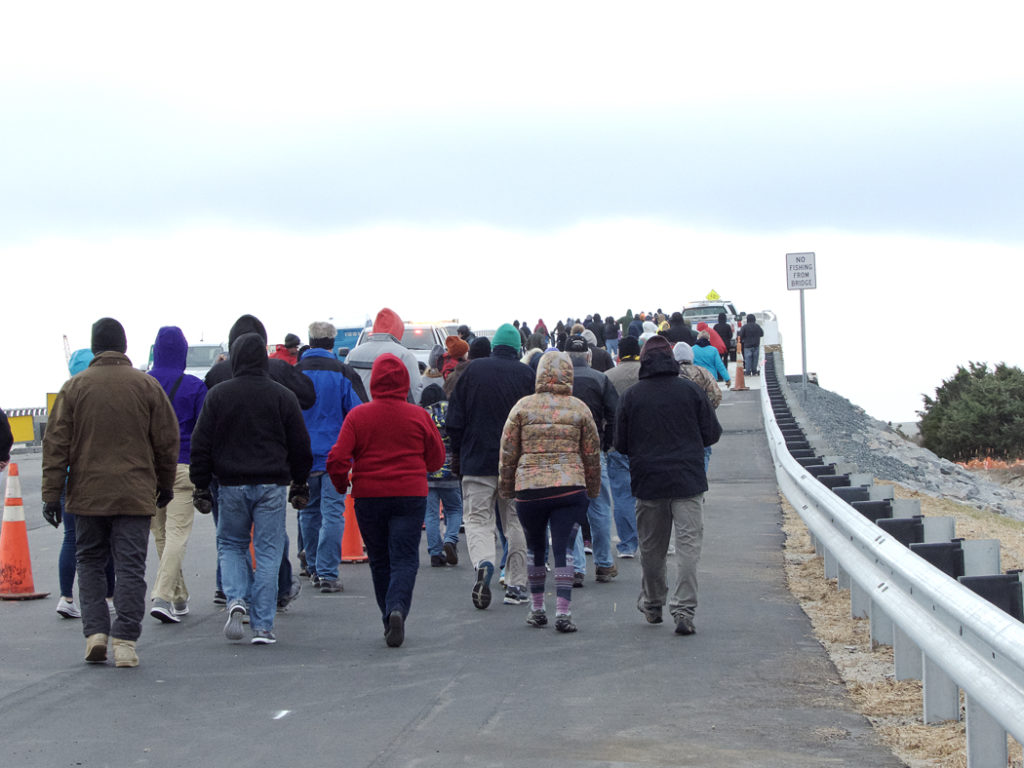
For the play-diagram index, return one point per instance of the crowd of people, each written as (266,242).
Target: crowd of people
(533,442)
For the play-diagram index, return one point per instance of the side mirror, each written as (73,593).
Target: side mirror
(343,351)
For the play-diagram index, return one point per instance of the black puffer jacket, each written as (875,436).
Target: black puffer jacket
(280,371)
(251,430)
(663,424)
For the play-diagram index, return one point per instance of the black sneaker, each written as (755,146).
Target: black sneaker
(233,627)
(329,586)
(516,595)
(482,588)
(451,553)
(219,598)
(284,600)
(684,626)
(653,614)
(394,635)
(538,618)
(438,561)
(563,623)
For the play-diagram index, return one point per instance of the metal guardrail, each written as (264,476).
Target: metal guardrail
(941,631)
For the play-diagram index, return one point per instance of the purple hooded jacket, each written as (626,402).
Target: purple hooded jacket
(169,354)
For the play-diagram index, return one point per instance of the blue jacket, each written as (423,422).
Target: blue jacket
(169,354)
(708,357)
(334,399)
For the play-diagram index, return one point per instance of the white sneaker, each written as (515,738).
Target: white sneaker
(181,608)
(67,609)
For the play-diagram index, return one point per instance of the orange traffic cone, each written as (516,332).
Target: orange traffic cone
(738,384)
(352,541)
(15,563)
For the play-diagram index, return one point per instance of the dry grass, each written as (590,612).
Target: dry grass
(892,706)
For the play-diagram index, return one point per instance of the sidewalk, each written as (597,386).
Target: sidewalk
(477,688)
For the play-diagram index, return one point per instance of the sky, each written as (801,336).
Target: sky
(186,164)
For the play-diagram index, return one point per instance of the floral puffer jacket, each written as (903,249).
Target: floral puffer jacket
(550,439)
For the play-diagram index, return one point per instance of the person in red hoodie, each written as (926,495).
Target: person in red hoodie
(289,351)
(390,445)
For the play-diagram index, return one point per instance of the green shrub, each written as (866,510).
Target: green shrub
(979,412)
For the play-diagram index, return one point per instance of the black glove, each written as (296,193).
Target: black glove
(202,500)
(298,495)
(52,512)
(163,497)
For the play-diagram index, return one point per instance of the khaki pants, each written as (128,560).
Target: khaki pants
(171,528)
(479,495)
(656,522)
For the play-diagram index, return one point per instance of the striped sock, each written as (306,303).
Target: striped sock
(563,588)
(535,576)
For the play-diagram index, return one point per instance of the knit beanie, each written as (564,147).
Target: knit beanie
(108,336)
(507,336)
(629,347)
(457,348)
(481,347)
(683,352)
(291,341)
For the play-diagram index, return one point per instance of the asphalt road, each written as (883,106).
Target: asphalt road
(468,688)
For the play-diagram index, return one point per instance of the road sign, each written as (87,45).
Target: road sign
(713,296)
(800,271)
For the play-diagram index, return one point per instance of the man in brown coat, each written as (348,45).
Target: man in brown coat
(116,431)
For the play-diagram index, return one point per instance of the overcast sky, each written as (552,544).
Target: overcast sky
(188,163)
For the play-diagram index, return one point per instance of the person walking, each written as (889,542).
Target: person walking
(724,330)
(385,337)
(683,354)
(67,608)
(706,356)
(550,463)
(623,376)
(116,428)
(599,395)
(442,489)
(485,393)
(389,445)
(251,436)
(750,336)
(172,525)
(662,425)
(322,520)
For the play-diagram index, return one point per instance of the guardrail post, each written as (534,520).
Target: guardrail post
(860,603)
(881,626)
(986,739)
(906,656)
(941,694)
(842,577)
(831,566)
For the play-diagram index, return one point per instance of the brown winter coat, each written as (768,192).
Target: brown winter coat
(117,431)
(550,439)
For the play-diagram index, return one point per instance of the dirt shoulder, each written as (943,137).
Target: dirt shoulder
(893,706)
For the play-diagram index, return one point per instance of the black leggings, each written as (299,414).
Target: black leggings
(565,513)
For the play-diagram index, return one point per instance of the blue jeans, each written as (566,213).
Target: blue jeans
(750,360)
(451,498)
(322,524)
(623,503)
(612,345)
(260,508)
(599,513)
(391,532)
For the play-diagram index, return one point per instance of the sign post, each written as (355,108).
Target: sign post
(801,275)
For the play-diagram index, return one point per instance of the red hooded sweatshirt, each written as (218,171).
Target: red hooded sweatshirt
(389,444)
(716,340)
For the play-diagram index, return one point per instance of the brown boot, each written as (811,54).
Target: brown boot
(124,653)
(96,648)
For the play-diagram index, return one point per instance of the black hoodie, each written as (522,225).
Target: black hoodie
(251,430)
(280,370)
(662,425)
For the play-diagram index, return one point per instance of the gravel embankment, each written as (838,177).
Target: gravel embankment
(839,428)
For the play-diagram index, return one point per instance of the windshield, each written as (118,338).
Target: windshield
(202,357)
(702,312)
(418,338)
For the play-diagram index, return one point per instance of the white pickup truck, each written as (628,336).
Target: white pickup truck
(708,312)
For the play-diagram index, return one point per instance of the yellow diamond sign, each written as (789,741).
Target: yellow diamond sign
(713,296)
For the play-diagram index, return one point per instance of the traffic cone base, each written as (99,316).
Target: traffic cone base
(15,563)
(352,541)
